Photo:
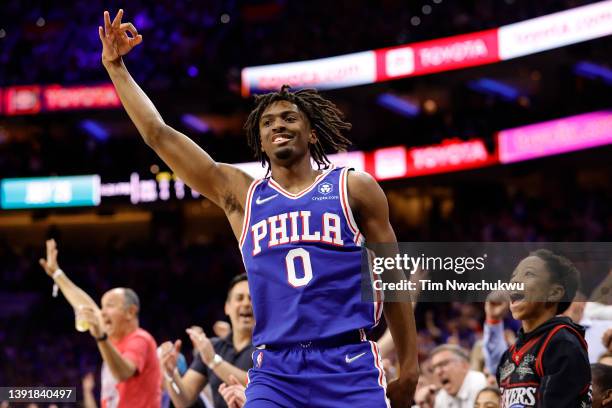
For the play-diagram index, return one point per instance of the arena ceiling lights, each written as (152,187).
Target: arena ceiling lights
(444,54)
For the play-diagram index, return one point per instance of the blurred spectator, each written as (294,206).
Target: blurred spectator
(602,385)
(216,358)
(489,397)
(459,384)
(605,358)
(233,393)
(89,383)
(130,375)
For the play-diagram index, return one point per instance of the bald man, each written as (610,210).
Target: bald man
(131,375)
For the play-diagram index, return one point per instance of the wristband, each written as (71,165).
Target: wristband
(103,337)
(170,379)
(58,272)
(493,321)
(217,359)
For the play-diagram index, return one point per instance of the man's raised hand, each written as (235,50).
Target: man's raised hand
(115,39)
(50,264)
(168,355)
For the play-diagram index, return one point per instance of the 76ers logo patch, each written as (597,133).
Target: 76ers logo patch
(326,188)
(519,397)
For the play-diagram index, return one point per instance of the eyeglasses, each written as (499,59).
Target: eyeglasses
(444,363)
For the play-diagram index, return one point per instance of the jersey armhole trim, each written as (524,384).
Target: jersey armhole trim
(247,211)
(346,208)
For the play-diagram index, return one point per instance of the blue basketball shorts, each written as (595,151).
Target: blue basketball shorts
(348,376)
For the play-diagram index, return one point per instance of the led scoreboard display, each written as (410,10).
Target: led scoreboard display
(49,192)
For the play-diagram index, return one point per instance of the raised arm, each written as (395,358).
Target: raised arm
(224,184)
(369,203)
(75,295)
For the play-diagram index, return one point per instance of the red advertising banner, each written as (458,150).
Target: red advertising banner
(439,55)
(33,99)
(22,100)
(450,155)
(456,52)
(57,97)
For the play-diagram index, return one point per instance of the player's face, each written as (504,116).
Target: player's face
(530,303)
(114,313)
(487,399)
(285,132)
(239,309)
(450,370)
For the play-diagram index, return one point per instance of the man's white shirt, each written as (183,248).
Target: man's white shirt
(473,382)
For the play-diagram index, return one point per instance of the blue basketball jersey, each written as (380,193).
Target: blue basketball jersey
(302,254)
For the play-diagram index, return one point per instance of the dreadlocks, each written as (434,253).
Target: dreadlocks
(324,117)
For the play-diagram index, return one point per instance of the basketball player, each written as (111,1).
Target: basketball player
(300,231)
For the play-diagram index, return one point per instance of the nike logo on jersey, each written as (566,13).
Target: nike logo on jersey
(260,201)
(351,359)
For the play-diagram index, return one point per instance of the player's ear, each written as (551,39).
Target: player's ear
(312,137)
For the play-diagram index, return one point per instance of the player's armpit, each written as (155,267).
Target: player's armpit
(370,208)
(223,184)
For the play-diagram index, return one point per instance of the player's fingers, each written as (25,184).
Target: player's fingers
(135,41)
(117,20)
(42,263)
(177,345)
(101,33)
(107,22)
(130,28)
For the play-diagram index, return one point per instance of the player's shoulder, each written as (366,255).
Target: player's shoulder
(361,180)
(364,189)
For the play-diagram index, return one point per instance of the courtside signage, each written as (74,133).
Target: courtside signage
(49,192)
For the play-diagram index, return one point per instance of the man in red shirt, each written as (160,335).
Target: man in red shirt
(131,375)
